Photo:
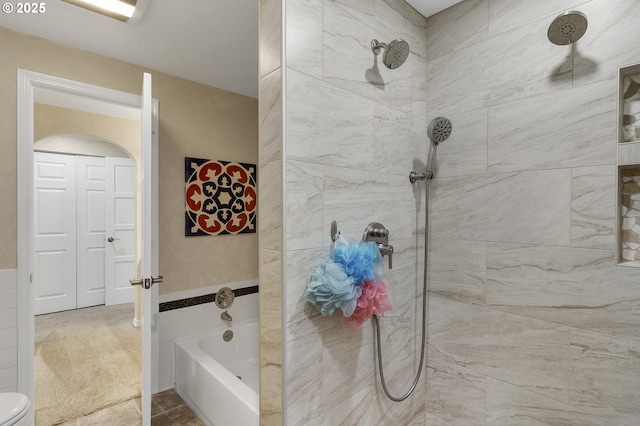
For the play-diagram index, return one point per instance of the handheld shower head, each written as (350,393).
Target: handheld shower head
(439,130)
(395,52)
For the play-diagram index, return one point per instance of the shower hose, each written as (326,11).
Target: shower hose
(424,315)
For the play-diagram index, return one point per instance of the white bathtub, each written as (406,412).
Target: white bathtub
(207,370)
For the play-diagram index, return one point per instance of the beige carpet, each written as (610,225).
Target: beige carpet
(85,360)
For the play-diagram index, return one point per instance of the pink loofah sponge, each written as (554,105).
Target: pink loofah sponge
(372,301)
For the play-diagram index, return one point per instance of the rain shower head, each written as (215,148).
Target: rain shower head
(395,53)
(439,130)
(567,28)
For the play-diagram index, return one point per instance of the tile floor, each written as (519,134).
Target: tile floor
(167,409)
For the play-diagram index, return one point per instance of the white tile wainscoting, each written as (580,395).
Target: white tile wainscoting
(172,325)
(176,323)
(8,330)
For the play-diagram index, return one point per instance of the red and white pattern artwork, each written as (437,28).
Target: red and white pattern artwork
(220,197)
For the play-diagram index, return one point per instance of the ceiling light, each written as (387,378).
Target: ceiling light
(122,10)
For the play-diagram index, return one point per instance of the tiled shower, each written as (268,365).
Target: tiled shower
(530,318)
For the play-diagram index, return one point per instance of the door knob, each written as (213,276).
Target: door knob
(111,239)
(146,283)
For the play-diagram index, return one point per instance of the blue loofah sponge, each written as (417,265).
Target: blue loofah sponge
(331,288)
(358,259)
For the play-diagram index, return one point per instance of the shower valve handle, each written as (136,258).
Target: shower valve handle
(387,250)
(377,233)
(380,233)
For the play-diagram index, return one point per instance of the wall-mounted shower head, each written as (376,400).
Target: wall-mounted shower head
(439,129)
(395,53)
(567,28)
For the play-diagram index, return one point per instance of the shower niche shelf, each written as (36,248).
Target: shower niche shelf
(629,166)
(629,115)
(629,216)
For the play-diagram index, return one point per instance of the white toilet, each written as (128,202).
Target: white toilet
(13,409)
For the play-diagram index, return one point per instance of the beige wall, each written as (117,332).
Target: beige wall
(80,145)
(195,120)
(52,120)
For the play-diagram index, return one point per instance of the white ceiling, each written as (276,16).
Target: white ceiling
(431,7)
(214,42)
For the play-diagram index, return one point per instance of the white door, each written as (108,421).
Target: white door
(90,231)
(120,236)
(54,222)
(149,174)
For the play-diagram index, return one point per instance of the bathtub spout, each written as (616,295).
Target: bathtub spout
(226,316)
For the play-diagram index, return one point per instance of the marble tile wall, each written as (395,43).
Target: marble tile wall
(353,131)
(270,217)
(530,319)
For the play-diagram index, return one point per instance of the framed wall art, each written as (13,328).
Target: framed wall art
(220,197)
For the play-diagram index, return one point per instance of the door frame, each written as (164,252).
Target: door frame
(27,82)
